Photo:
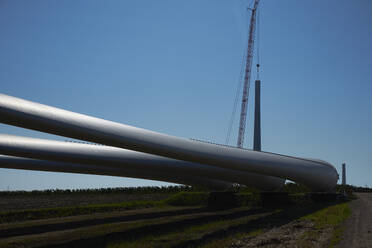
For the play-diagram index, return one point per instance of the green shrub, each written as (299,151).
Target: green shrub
(294,188)
(300,199)
(248,199)
(188,199)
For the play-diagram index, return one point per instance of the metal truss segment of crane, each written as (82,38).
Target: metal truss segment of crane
(247,75)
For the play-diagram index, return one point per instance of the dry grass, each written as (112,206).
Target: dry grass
(328,220)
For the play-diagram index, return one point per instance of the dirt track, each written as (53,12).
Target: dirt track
(98,232)
(358,233)
(275,227)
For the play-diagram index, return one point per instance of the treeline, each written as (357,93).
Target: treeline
(291,188)
(351,188)
(124,190)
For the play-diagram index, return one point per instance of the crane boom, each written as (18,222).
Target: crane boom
(247,76)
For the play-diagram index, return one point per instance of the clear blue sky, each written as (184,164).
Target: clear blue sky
(173,67)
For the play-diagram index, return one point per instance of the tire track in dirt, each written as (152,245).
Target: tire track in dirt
(158,229)
(187,220)
(67,237)
(36,229)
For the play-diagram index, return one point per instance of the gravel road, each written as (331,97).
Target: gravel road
(358,233)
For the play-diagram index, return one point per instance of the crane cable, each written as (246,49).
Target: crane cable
(237,94)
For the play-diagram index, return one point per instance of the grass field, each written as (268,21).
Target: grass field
(20,200)
(180,219)
(328,218)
